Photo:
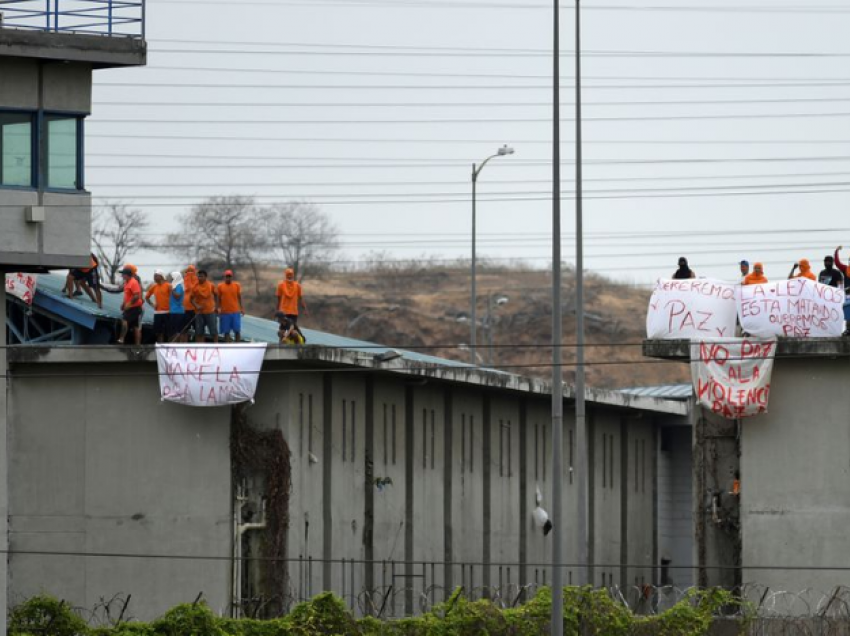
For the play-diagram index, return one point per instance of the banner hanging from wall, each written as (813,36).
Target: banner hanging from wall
(796,308)
(209,374)
(22,286)
(732,376)
(694,308)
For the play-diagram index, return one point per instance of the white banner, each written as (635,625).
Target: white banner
(796,308)
(21,286)
(732,376)
(209,374)
(694,308)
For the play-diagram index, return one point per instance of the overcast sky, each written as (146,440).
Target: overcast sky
(376,110)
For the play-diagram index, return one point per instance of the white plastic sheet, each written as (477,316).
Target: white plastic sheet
(209,374)
(731,377)
(796,308)
(694,308)
(22,286)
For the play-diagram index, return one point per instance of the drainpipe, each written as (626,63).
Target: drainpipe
(239,529)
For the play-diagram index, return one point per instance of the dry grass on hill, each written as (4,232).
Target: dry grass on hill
(417,306)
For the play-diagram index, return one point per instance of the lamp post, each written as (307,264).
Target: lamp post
(476,170)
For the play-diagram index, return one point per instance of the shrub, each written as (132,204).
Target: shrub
(45,615)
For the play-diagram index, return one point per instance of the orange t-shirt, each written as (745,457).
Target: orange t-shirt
(228,297)
(202,294)
(189,282)
(288,293)
(162,295)
(132,288)
(807,274)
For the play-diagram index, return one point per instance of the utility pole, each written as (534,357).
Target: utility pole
(581,420)
(558,537)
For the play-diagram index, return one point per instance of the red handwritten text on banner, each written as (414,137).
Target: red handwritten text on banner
(209,375)
(731,377)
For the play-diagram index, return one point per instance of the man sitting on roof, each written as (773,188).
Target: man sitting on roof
(85,279)
(289,334)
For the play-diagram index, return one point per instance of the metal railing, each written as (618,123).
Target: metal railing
(120,18)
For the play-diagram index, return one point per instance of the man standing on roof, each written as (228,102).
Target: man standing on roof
(204,301)
(190,279)
(289,297)
(176,313)
(131,307)
(805,270)
(229,307)
(829,275)
(684,271)
(757,276)
(161,291)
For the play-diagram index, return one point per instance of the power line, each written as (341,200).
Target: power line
(422,104)
(459,184)
(460,4)
(516,199)
(347,48)
(355,195)
(412,73)
(494,87)
(435,162)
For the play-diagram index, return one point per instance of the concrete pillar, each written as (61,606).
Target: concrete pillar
(327,482)
(448,466)
(4,464)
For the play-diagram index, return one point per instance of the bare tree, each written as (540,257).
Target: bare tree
(221,231)
(117,231)
(300,235)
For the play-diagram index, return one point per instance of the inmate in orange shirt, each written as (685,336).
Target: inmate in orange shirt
(228,297)
(162,294)
(289,293)
(132,288)
(204,296)
(190,279)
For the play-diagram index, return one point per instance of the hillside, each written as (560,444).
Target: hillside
(424,307)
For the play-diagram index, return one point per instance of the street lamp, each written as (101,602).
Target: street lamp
(476,170)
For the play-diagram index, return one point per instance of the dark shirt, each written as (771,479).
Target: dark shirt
(831,277)
(679,274)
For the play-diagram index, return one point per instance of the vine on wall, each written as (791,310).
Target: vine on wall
(265,454)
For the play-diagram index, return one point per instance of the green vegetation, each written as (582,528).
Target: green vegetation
(586,611)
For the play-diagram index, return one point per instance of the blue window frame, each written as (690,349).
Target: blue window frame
(41,150)
(63,138)
(17,149)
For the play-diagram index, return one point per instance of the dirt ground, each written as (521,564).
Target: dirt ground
(425,308)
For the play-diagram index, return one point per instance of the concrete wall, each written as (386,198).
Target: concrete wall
(795,471)
(63,239)
(458,466)
(100,465)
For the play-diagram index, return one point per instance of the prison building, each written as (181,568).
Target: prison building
(388,477)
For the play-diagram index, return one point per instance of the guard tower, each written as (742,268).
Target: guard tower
(48,52)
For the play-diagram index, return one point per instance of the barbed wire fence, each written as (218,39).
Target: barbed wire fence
(402,589)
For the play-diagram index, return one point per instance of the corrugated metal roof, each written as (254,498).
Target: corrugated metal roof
(49,296)
(665,391)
